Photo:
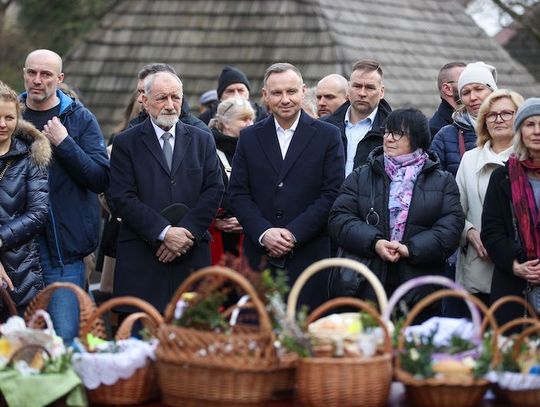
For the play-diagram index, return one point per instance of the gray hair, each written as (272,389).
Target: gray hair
(155,68)
(280,67)
(230,109)
(149,80)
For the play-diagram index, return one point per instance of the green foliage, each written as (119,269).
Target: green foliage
(416,355)
(58,24)
(205,313)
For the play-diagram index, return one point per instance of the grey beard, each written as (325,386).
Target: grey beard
(166,121)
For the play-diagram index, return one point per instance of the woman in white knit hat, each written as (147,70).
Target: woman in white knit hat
(475,83)
(510,219)
(474,268)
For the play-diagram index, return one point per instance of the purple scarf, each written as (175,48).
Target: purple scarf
(402,171)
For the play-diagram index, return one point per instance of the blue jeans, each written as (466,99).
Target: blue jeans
(63,307)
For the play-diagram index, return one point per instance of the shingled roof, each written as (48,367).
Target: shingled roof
(411,38)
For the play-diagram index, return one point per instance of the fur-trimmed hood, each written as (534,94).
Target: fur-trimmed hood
(38,145)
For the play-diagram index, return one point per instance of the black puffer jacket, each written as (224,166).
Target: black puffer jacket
(433,229)
(23,210)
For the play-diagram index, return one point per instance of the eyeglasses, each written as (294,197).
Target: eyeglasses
(396,134)
(505,116)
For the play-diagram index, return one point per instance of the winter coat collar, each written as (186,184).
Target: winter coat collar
(487,156)
(29,139)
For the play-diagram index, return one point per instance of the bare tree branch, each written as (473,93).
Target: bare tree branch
(519,18)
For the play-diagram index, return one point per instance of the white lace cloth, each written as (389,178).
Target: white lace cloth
(445,328)
(96,369)
(515,381)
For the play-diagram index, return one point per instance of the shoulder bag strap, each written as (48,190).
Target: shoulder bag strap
(6,166)
(461,141)
(225,162)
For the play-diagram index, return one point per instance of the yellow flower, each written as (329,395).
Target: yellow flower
(5,347)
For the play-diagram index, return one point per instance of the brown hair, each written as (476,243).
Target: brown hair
(368,65)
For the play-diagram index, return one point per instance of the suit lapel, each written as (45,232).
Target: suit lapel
(181,143)
(270,145)
(301,138)
(149,138)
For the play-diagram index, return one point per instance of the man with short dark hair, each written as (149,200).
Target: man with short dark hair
(447,82)
(286,174)
(331,93)
(78,172)
(186,116)
(166,187)
(232,82)
(361,117)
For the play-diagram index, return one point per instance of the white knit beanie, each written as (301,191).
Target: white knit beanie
(478,72)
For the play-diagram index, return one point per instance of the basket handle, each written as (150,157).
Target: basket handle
(508,299)
(352,302)
(431,298)
(521,337)
(424,280)
(95,324)
(229,274)
(126,327)
(509,325)
(333,262)
(36,346)
(41,301)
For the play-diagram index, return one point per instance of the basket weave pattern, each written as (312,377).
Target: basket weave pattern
(143,385)
(351,381)
(200,366)
(442,392)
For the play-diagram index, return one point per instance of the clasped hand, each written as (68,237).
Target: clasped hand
(278,241)
(55,131)
(177,242)
(529,270)
(391,251)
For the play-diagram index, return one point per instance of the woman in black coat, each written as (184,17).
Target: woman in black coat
(400,213)
(510,215)
(24,155)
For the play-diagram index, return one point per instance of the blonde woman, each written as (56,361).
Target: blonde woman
(474,269)
(232,116)
(24,156)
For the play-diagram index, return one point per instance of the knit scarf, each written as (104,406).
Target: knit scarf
(402,171)
(525,209)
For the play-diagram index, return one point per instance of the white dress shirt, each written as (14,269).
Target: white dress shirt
(159,132)
(355,133)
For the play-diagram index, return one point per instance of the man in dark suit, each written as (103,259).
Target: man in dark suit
(155,164)
(287,171)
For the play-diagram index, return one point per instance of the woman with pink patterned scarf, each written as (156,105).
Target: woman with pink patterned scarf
(400,213)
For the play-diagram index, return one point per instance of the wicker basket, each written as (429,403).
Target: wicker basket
(143,385)
(442,392)
(516,397)
(41,301)
(336,382)
(208,368)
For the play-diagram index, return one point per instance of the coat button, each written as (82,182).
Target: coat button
(280,185)
(279,214)
(173,181)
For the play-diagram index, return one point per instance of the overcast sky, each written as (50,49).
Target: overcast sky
(486,15)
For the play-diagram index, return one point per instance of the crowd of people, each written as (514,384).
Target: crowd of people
(283,183)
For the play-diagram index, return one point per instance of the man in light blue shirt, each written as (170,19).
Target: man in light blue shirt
(361,117)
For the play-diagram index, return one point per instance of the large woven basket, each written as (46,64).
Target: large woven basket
(442,392)
(526,398)
(337,382)
(208,368)
(143,385)
(41,301)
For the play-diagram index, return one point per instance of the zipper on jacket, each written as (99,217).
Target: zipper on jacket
(56,242)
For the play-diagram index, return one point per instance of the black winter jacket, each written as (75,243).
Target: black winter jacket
(23,210)
(500,241)
(433,229)
(442,117)
(372,139)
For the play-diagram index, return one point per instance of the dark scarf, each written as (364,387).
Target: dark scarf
(225,143)
(525,209)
